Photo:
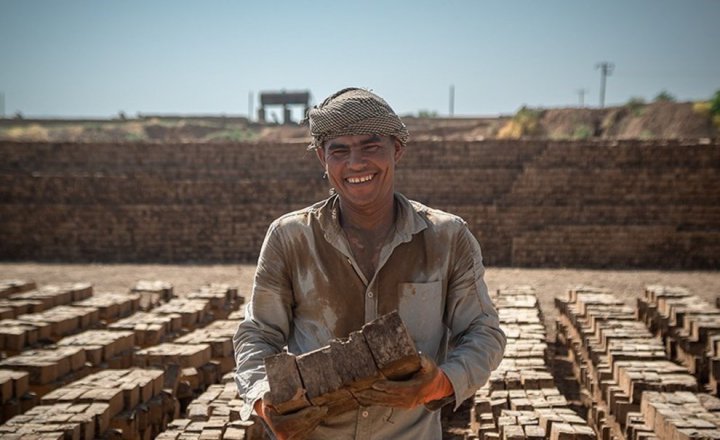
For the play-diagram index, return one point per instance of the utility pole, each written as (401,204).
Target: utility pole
(452,100)
(581,95)
(250,106)
(606,69)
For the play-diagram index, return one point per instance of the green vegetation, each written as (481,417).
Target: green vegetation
(427,114)
(665,96)
(582,131)
(715,108)
(232,135)
(526,122)
(636,105)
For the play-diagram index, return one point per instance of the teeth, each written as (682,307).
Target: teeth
(360,179)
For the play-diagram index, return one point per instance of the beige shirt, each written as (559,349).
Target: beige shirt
(308,289)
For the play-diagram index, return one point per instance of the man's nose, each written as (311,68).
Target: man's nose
(356,159)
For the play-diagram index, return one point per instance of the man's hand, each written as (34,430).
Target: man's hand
(294,426)
(427,385)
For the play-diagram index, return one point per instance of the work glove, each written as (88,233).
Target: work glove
(293,426)
(428,385)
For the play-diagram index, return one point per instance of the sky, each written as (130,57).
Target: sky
(93,58)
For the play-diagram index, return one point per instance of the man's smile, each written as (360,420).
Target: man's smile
(360,179)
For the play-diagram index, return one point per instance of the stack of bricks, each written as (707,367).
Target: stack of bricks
(690,327)
(49,368)
(521,401)
(219,336)
(104,348)
(153,293)
(675,415)
(329,375)
(149,328)
(223,298)
(215,414)
(112,306)
(8,287)
(15,394)
(127,404)
(616,360)
(193,312)
(34,315)
(187,368)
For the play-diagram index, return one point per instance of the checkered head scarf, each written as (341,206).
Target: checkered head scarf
(354,111)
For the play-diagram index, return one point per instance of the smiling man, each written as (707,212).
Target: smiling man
(367,250)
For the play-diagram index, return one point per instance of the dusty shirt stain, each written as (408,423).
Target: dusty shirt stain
(309,289)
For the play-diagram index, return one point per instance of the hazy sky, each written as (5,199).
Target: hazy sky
(95,58)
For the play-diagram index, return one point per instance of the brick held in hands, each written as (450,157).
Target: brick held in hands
(286,388)
(391,346)
(322,382)
(354,362)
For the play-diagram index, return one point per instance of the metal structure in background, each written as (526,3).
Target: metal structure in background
(283,99)
(606,69)
(452,100)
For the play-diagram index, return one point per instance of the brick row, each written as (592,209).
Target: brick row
(8,287)
(689,326)
(127,404)
(190,367)
(218,335)
(215,414)
(38,300)
(153,293)
(616,358)
(521,400)
(15,394)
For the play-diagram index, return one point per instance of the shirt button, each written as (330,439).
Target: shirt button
(370,294)
(365,413)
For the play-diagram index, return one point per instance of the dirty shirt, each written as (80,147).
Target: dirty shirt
(308,289)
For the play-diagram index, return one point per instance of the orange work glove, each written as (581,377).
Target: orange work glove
(293,426)
(429,384)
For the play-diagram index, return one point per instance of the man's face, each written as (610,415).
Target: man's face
(361,168)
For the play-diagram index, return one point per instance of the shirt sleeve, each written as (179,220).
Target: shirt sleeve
(266,326)
(477,343)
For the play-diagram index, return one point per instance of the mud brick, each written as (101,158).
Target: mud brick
(185,356)
(8,287)
(353,362)
(286,387)
(152,293)
(392,347)
(321,380)
(192,311)
(17,334)
(112,306)
(191,376)
(513,432)
(113,397)
(127,423)
(534,432)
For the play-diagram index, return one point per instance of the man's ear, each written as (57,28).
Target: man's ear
(399,149)
(320,151)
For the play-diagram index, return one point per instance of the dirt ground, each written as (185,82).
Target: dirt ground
(548,283)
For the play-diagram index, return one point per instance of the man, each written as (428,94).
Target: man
(326,270)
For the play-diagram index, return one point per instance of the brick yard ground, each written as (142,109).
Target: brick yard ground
(533,384)
(547,282)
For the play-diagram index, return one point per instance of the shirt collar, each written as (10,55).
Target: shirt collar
(407,223)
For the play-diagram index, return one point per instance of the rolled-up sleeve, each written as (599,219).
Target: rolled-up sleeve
(477,343)
(266,326)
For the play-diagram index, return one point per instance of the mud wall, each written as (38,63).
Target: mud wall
(530,203)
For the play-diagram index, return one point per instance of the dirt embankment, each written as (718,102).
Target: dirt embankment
(660,120)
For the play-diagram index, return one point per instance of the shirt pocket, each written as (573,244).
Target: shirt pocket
(421,308)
